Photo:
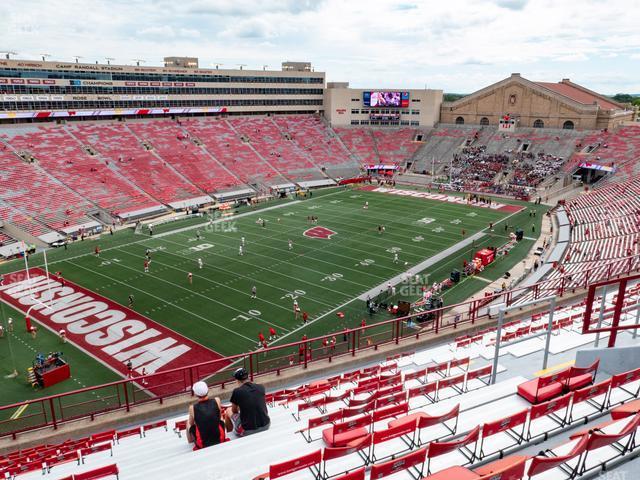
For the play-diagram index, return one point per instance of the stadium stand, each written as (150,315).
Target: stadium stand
(275,148)
(486,161)
(396,145)
(56,206)
(176,147)
(320,143)
(619,149)
(127,155)
(62,157)
(605,235)
(406,436)
(380,146)
(6,239)
(360,142)
(226,146)
(21,221)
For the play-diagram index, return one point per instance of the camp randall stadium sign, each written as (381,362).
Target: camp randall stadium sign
(109,332)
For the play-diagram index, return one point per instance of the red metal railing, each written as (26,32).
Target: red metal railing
(126,394)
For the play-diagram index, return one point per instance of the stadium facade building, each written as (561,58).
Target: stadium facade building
(45,90)
(34,90)
(537,104)
(356,106)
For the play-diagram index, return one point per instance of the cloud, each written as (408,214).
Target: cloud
(512,4)
(456,46)
(158,31)
(405,6)
(167,31)
(252,28)
(252,7)
(571,57)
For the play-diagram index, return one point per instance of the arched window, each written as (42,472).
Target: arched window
(484,121)
(538,124)
(568,125)
(459,121)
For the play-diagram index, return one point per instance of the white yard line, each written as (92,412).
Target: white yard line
(422,265)
(206,253)
(171,303)
(451,250)
(195,276)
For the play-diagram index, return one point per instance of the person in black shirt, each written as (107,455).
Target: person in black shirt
(205,426)
(248,412)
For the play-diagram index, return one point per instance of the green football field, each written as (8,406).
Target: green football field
(325,276)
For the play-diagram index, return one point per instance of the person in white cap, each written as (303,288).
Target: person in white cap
(205,426)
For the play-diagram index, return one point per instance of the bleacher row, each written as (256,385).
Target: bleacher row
(143,165)
(605,235)
(619,149)
(431,414)
(568,319)
(445,141)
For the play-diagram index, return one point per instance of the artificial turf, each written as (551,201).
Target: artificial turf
(324,275)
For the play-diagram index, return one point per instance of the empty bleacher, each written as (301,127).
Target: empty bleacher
(620,149)
(387,146)
(62,157)
(176,147)
(605,235)
(431,414)
(29,190)
(273,146)
(226,146)
(320,143)
(126,154)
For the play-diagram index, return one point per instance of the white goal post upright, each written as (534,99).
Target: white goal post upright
(26,269)
(502,309)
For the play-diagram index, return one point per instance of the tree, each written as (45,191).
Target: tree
(623,98)
(452,97)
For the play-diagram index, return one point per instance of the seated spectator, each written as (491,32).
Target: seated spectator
(205,426)
(248,412)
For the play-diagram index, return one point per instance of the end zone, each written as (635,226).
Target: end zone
(502,207)
(108,332)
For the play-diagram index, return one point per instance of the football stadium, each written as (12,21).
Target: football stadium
(262,272)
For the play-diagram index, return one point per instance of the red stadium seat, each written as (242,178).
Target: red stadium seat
(435,449)
(98,473)
(547,411)
(355,447)
(411,461)
(582,376)
(355,475)
(509,468)
(309,461)
(541,463)
(506,425)
(424,420)
(341,434)
(621,437)
(544,388)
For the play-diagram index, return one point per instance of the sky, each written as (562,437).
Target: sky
(458,46)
